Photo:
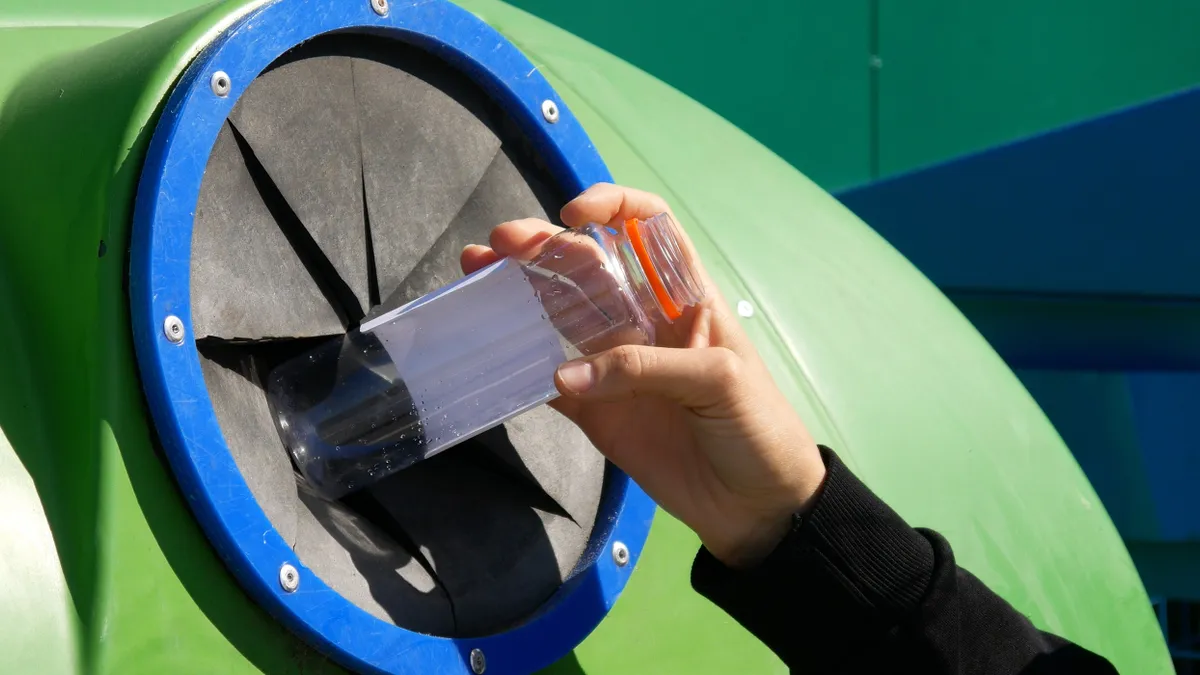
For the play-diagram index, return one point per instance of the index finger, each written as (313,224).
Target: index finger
(608,204)
(520,236)
(605,203)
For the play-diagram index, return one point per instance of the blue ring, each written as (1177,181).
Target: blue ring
(175,389)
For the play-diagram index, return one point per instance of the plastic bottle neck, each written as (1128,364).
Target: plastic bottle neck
(662,275)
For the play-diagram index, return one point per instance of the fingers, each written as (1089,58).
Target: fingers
(700,334)
(705,380)
(518,236)
(507,239)
(475,257)
(604,203)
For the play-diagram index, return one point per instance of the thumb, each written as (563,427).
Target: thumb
(702,379)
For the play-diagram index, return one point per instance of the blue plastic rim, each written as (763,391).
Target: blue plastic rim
(175,389)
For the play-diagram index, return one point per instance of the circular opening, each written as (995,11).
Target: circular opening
(345,182)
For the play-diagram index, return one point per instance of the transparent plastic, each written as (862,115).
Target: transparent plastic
(468,357)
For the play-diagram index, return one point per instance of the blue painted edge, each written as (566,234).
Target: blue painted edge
(175,389)
(1102,206)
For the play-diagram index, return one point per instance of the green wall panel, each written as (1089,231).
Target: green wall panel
(794,75)
(961,75)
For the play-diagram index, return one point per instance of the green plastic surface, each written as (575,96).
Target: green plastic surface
(877,361)
(147,593)
(37,621)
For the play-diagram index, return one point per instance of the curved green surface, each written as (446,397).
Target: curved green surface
(147,594)
(37,624)
(878,362)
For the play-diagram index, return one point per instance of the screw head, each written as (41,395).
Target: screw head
(380,7)
(550,111)
(478,661)
(220,83)
(620,553)
(173,329)
(289,578)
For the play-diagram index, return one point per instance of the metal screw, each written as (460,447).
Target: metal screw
(173,329)
(550,111)
(745,309)
(289,578)
(220,83)
(380,7)
(478,661)
(620,554)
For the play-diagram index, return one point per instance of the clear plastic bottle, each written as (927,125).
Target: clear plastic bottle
(463,359)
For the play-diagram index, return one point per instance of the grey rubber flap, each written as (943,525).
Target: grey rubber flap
(498,544)
(341,547)
(300,119)
(247,280)
(250,434)
(556,456)
(366,566)
(424,153)
(503,193)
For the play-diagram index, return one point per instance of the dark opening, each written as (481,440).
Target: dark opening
(346,181)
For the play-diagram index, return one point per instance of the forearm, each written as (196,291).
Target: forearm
(853,588)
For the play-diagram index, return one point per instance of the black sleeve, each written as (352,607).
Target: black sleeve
(853,589)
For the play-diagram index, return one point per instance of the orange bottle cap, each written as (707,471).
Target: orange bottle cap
(669,307)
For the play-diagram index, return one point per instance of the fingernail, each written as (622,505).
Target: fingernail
(577,376)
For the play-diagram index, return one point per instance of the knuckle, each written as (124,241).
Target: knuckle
(598,188)
(726,367)
(587,205)
(630,361)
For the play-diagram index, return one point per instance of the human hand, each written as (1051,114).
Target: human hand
(697,421)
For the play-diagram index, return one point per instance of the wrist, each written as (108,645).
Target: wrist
(754,543)
(757,534)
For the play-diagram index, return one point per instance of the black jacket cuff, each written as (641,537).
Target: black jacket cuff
(851,561)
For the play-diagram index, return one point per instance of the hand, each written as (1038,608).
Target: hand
(697,421)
